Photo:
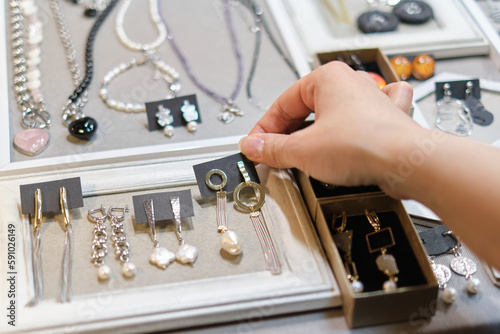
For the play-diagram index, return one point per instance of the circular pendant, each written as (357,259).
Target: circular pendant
(32,141)
(463,266)
(413,11)
(442,273)
(83,128)
(377,21)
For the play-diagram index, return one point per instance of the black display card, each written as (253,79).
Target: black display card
(435,242)
(51,195)
(162,207)
(458,89)
(174,105)
(228,165)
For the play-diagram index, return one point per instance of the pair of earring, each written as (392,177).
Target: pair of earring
(460,265)
(421,67)
(407,11)
(453,115)
(66,278)
(166,120)
(343,241)
(229,241)
(119,239)
(162,257)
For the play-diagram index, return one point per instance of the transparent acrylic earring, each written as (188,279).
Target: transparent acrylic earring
(453,116)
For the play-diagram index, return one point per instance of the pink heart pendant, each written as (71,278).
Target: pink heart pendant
(32,141)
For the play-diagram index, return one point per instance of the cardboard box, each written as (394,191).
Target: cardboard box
(417,286)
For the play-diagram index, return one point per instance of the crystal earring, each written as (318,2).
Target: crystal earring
(119,238)
(99,248)
(386,263)
(453,116)
(67,262)
(186,253)
(343,241)
(190,115)
(165,120)
(161,257)
(229,240)
(259,224)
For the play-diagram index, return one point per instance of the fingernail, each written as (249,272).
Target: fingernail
(251,146)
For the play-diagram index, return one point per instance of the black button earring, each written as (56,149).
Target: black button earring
(413,11)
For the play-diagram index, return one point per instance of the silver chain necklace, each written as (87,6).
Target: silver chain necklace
(161,69)
(26,58)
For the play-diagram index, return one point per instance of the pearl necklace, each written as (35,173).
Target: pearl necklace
(35,118)
(161,68)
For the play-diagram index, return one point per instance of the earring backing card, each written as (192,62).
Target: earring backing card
(176,106)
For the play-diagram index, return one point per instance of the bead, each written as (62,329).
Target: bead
(35,84)
(33,75)
(31,141)
(357,286)
(168,131)
(449,295)
(386,263)
(402,66)
(90,12)
(120,106)
(128,270)
(83,128)
(192,126)
(186,254)
(423,67)
(389,286)
(111,103)
(473,285)
(161,257)
(103,273)
(231,243)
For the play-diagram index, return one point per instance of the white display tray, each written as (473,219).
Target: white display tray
(307,29)
(148,302)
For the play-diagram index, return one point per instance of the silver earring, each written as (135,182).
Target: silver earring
(190,115)
(99,247)
(67,262)
(36,253)
(165,120)
(186,253)
(122,247)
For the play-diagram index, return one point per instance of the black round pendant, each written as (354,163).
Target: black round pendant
(90,12)
(377,21)
(413,11)
(83,128)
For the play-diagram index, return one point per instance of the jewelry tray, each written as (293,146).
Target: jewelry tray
(124,137)
(215,288)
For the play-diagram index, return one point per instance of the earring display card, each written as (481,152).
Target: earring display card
(458,88)
(175,106)
(161,202)
(228,165)
(50,195)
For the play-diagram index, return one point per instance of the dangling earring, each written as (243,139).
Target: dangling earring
(122,248)
(190,115)
(186,253)
(229,240)
(99,247)
(165,120)
(453,115)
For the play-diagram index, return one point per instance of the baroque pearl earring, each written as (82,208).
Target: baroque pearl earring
(229,240)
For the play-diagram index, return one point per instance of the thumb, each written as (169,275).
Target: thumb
(269,149)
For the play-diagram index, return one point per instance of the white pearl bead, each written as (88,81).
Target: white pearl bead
(389,285)
(231,243)
(103,273)
(128,270)
(33,61)
(168,131)
(161,257)
(186,254)
(192,126)
(473,285)
(34,53)
(357,286)
(33,75)
(34,84)
(449,295)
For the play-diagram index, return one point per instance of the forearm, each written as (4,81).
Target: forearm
(459,179)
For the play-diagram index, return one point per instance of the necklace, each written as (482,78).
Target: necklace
(256,28)
(162,69)
(79,125)
(35,118)
(229,109)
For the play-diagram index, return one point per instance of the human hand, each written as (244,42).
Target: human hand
(357,134)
